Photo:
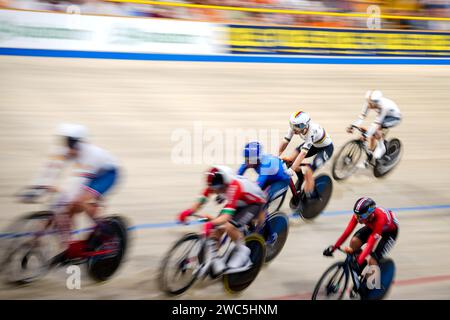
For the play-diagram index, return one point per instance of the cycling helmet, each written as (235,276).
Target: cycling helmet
(253,151)
(364,207)
(374,96)
(299,120)
(73,133)
(218,176)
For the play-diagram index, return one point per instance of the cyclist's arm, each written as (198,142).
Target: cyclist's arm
(373,238)
(242,169)
(350,227)
(201,201)
(377,123)
(51,170)
(262,180)
(285,142)
(362,115)
(303,152)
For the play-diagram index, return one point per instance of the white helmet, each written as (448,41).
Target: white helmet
(299,120)
(374,95)
(73,131)
(218,176)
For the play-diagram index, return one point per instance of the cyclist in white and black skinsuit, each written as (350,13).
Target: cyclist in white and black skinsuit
(389,116)
(316,143)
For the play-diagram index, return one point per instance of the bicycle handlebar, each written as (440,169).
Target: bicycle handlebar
(202,218)
(362,130)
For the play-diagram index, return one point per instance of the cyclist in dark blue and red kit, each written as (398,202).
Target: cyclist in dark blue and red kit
(271,170)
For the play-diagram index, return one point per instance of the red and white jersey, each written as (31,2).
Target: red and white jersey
(241,192)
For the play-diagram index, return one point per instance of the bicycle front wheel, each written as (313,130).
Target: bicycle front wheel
(332,284)
(344,164)
(179,268)
(26,248)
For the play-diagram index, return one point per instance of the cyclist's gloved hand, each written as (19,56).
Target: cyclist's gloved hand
(183,215)
(328,252)
(220,198)
(207,227)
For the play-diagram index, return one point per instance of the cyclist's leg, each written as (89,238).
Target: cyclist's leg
(385,244)
(388,122)
(360,238)
(322,156)
(306,170)
(277,188)
(241,218)
(93,191)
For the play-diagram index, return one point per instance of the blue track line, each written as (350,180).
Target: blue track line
(223,57)
(165,225)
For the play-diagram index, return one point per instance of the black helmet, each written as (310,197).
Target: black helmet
(364,207)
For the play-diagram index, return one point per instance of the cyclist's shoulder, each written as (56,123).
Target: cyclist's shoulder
(386,102)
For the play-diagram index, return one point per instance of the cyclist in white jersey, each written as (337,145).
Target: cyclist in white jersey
(388,116)
(316,143)
(95,173)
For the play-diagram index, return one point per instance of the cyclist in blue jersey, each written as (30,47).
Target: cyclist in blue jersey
(271,170)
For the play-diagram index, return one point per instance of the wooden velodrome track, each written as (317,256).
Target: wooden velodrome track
(132,109)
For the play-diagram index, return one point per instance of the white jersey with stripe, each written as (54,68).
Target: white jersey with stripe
(89,161)
(315,136)
(385,108)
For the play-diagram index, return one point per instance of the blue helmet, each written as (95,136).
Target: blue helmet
(253,151)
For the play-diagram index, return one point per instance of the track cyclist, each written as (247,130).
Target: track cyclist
(271,170)
(389,116)
(316,143)
(381,225)
(95,173)
(244,202)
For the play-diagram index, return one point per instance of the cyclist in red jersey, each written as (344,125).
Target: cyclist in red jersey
(244,202)
(380,225)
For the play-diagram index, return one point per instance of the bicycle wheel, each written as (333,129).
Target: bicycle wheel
(108,254)
(26,248)
(237,282)
(178,270)
(275,232)
(333,283)
(380,286)
(393,150)
(312,207)
(344,164)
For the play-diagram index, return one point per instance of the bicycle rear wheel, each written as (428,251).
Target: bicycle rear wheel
(344,164)
(379,287)
(237,282)
(333,283)
(312,207)
(393,150)
(110,251)
(178,270)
